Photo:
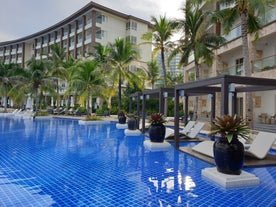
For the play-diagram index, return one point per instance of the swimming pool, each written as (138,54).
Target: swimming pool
(58,162)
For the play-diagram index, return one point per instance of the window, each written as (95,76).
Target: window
(132,39)
(100,34)
(101,18)
(239,66)
(131,25)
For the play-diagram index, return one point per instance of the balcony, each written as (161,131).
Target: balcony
(72,34)
(264,64)
(233,34)
(72,47)
(233,70)
(79,30)
(88,24)
(79,44)
(270,16)
(88,39)
(58,39)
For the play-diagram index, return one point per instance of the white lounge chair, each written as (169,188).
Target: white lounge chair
(193,132)
(261,145)
(187,128)
(257,149)
(205,147)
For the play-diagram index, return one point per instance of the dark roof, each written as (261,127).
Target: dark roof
(242,84)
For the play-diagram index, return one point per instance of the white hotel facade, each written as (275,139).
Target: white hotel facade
(78,34)
(228,60)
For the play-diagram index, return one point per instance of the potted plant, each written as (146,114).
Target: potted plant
(228,150)
(121,117)
(133,121)
(157,129)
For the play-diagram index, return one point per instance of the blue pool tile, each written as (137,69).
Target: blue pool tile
(60,163)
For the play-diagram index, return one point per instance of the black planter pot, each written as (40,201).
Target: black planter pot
(229,157)
(122,119)
(133,123)
(157,132)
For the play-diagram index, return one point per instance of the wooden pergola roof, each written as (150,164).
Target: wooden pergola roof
(135,97)
(224,84)
(159,93)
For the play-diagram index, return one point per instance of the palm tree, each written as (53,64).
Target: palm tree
(162,33)
(34,79)
(56,59)
(152,72)
(102,56)
(6,80)
(175,79)
(123,54)
(87,80)
(69,65)
(250,13)
(196,40)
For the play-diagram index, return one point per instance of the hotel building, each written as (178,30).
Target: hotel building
(228,60)
(78,34)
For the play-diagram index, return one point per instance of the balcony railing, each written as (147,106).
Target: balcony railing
(88,24)
(263,64)
(233,70)
(269,16)
(234,33)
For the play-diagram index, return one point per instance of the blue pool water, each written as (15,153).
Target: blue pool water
(60,163)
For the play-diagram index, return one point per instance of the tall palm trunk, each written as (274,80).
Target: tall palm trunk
(247,70)
(196,97)
(165,79)
(120,92)
(5,98)
(58,98)
(88,108)
(164,66)
(36,99)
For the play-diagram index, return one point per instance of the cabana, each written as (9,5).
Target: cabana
(226,85)
(161,94)
(135,97)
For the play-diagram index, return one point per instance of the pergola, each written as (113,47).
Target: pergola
(225,85)
(161,94)
(135,96)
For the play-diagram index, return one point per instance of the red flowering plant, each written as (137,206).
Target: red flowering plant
(157,118)
(230,127)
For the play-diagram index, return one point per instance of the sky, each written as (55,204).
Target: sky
(20,18)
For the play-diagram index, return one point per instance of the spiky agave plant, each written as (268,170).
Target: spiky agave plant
(157,118)
(230,126)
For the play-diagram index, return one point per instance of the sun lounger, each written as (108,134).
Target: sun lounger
(259,148)
(193,132)
(187,128)
(261,145)
(15,111)
(189,132)
(205,147)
